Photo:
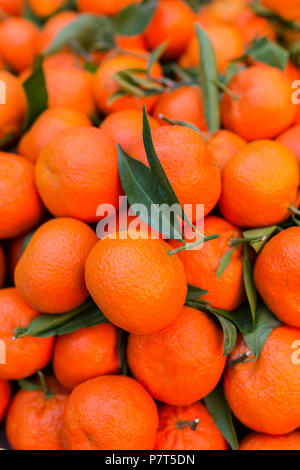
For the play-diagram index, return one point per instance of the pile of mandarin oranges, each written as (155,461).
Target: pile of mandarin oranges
(130,338)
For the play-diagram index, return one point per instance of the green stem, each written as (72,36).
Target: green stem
(46,390)
(240,360)
(192,424)
(234,242)
(294,210)
(190,246)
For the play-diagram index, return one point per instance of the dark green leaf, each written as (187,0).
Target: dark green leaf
(36,92)
(29,385)
(30,16)
(224,262)
(141,188)
(249,282)
(265,323)
(268,52)
(135,18)
(45,326)
(90,32)
(195,292)
(218,407)
(209,78)
(265,233)
(156,167)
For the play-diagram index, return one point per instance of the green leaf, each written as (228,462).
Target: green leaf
(268,52)
(224,262)
(141,187)
(135,18)
(195,292)
(29,385)
(156,55)
(156,166)
(230,335)
(26,240)
(36,92)
(265,323)
(45,326)
(265,233)
(30,16)
(249,282)
(209,77)
(90,32)
(218,407)
(176,122)
(122,347)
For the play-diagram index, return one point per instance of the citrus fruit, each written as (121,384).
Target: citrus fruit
(256,441)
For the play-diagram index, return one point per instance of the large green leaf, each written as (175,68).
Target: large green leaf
(249,282)
(268,52)
(135,18)
(219,409)
(141,187)
(264,233)
(90,32)
(45,326)
(36,92)
(209,78)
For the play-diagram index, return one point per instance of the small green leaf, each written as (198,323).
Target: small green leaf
(265,323)
(45,326)
(141,187)
(156,55)
(265,233)
(268,52)
(116,96)
(36,92)
(176,122)
(249,282)
(89,31)
(230,335)
(195,292)
(209,77)
(29,385)
(135,18)
(218,407)
(224,262)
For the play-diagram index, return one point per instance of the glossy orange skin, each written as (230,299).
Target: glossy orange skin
(206,436)
(227,42)
(291,139)
(18,40)
(289,9)
(85,354)
(173,105)
(48,125)
(53,27)
(187,355)
(253,26)
(110,413)
(104,84)
(20,205)
(255,441)
(173,21)
(5,393)
(137,285)
(50,273)
(24,356)
(141,297)
(264,394)
(262,107)
(259,184)
(78,171)
(277,275)
(188,164)
(2,266)
(33,421)
(103,7)
(126,127)
(45,8)
(224,145)
(12,7)
(201,265)
(70,87)
(12,114)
